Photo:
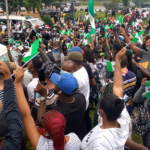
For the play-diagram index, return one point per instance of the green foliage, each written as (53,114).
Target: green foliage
(35,4)
(125,2)
(46,19)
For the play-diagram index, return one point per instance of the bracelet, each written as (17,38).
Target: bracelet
(42,99)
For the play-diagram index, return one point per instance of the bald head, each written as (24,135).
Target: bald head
(68,66)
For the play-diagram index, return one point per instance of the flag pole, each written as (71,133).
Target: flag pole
(128,44)
(26,63)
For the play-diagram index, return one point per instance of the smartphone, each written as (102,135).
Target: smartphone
(126,98)
(42,76)
(56,70)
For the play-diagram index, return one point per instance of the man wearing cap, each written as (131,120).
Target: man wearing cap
(100,68)
(80,74)
(10,128)
(70,103)
(37,29)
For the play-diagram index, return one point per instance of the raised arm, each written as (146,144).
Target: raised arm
(135,49)
(116,35)
(118,80)
(29,124)
(13,138)
(9,54)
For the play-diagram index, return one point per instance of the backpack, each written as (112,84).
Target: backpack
(141,119)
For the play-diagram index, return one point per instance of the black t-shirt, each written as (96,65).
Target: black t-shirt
(88,69)
(74,114)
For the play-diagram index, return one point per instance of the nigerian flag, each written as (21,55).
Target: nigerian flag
(68,45)
(106,27)
(16,43)
(141,32)
(33,51)
(91,16)
(111,66)
(69,32)
(147,89)
(120,19)
(86,35)
(10,40)
(135,38)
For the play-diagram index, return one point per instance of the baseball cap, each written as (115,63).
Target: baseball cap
(37,25)
(66,82)
(3,126)
(98,50)
(75,56)
(76,49)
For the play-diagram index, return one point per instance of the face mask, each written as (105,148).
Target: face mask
(95,59)
(47,135)
(147,47)
(62,72)
(48,44)
(56,48)
(26,47)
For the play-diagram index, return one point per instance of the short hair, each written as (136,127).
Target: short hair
(37,64)
(118,47)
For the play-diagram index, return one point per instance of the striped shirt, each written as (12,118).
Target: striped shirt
(74,143)
(108,139)
(3,111)
(129,81)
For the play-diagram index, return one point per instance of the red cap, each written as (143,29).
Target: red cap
(147,42)
(37,25)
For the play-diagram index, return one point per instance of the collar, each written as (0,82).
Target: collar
(124,71)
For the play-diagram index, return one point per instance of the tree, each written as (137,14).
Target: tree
(34,4)
(125,2)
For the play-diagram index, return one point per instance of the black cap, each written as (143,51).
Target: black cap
(98,50)
(3,126)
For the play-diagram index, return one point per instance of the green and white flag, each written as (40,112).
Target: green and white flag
(111,66)
(147,89)
(69,32)
(10,40)
(62,32)
(24,27)
(16,43)
(141,32)
(86,35)
(68,45)
(32,52)
(135,38)
(120,19)
(133,23)
(91,16)
(106,27)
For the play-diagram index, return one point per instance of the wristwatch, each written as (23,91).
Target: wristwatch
(139,67)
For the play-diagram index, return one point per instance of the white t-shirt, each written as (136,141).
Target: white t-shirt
(74,143)
(145,14)
(30,88)
(27,78)
(108,139)
(66,8)
(83,83)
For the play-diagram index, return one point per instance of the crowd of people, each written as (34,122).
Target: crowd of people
(47,98)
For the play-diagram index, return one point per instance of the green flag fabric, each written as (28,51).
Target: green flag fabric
(86,36)
(120,19)
(141,32)
(10,40)
(91,16)
(135,38)
(149,33)
(32,52)
(147,89)
(16,43)
(111,66)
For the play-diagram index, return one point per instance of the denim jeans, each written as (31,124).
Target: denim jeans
(146,139)
(72,13)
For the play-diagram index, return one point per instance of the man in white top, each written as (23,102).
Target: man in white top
(80,73)
(33,67)
(66,9)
